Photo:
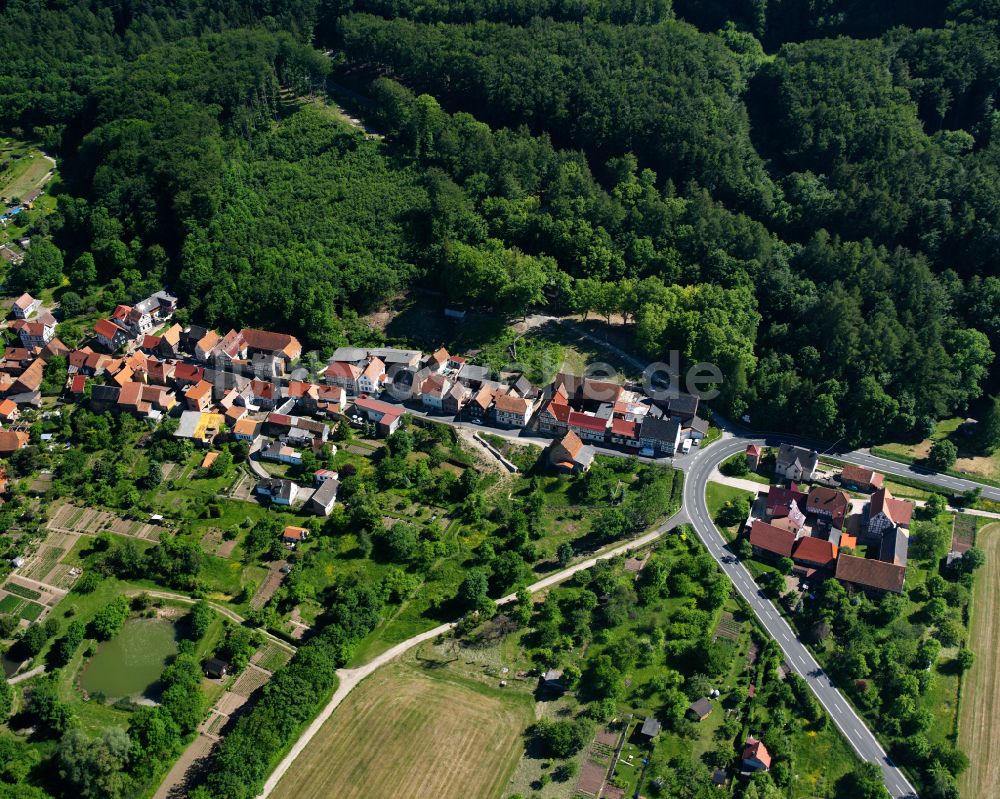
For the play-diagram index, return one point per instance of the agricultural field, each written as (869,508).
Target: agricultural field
(408,731)
(981,684)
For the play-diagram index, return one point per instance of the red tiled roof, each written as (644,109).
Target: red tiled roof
(780,497)
(815,550)
(186,373)
(199,390)
(369,404)
(753,449)
(510,403)
(78,384)
(343,371)
(899,511)
(772,539)
(622,427)
(263,389)
(587,422)
(558,408)
(829,500)
(756,750)
(267,341)
(24,301)
(131,394)
(871,573)
(106,328)
(571,444)
(859,475)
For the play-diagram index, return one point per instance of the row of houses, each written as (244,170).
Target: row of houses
(599,412)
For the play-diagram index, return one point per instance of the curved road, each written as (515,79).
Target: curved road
(699,469)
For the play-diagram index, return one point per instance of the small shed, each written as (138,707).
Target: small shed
(552,679)
(700,709)
(216,668)
(650,728)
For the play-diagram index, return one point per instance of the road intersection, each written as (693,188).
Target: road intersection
(699,469)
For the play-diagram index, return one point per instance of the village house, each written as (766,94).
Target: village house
(886,514)
(858,478)
(871,575)
(681,407)
(829,504)
(12,440)
(37,332)
(282,345)
(455,400)
(206,345)
(135,321)
(754,454)
(473,376)
(281,453)
(795,463)
(25,305)
(246,430)
(587,426)
(438,360)
(482,401)
(344,375)
(197,425)
(660,435)
(199,396)
(279,491)
(554,416)
(624,433)
(112,336)
(321,476)
(433,391)
(372,378)
(9,412)
(293,536)
(816,552)
(755,756)
(770,540)
(159,306)
(569,454)
(511,410)
(385,416)
(264,394)
(323,498)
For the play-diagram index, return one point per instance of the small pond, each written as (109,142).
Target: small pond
(130,664)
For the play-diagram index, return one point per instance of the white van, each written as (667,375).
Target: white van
(686,446)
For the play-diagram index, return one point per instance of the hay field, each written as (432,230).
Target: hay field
(407,733)
(977,734)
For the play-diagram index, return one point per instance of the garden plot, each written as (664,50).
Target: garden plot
(90,521)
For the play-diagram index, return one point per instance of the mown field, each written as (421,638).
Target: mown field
(407,733)
(981,687)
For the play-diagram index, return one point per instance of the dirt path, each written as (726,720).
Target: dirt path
(227,612)
(349,678)
(981,687)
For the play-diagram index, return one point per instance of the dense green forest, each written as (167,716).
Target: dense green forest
(801,192)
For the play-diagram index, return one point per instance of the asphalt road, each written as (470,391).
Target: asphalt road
(698,468)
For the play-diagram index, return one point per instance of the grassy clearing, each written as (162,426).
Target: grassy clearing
(981,685)
(406,732)
(971,464)
(22,169)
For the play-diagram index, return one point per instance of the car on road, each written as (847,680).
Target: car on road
(478,421)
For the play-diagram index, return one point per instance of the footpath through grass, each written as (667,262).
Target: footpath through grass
(981,685)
